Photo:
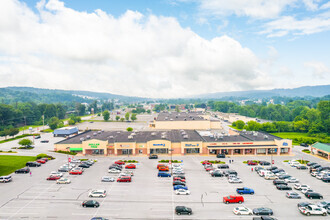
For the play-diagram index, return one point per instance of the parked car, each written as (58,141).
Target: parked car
(292,195)
(326,179)
(278,182)
(178,183)
(264,218)
(179,210)
(23,170)
(175,187)
(107,179)
(75,172)
(217,174)
(84,165)
(323,204)
(164,174)
(312,210)
(223,166)
(221,156)
(98,193)
(90,203)
(130,166)
(251,163)
(228,172)
(301,186)
(245,190)
(233,199)
(206,162)
(282,177)
(41,161)
(182,192)
(304,191)
(44,141)
(311,163)
(119,162)
(63,181)
(302,167)
(63,169)
(283,187)
(235,180)
(124,179)
(32,164)
(55,173)
(242,211)
(303,204)
(114,171)
(291,180)
(271,177)
(313,195)
(53,178)
(163,168)
(263,211)
(153,156)
(264,163)
(181,176)
(5,179)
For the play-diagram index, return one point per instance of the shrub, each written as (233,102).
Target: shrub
(45,156)
(303,161)
(66,152)
(285,161)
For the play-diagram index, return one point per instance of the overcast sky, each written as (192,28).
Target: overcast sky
(164,48)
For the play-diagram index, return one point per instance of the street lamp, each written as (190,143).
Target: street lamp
(68,157)
(171,160)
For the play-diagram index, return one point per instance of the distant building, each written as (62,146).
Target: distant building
(321,149)
(65,131)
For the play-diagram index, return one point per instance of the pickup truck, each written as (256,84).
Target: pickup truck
(245,190)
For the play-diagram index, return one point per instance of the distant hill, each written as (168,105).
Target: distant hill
(315,91)
(26,94)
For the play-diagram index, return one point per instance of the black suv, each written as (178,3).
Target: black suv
(179,210)
(23,170)
(84,165)
(279,182)
(283,187)
(32,164)
(228,172)
(154,156)
(313,195)
(264,163)
(221,156)
(223,166)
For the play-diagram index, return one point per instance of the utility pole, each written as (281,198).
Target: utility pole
(24,124)
(43,122)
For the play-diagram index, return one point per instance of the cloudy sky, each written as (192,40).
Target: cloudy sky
(164,48)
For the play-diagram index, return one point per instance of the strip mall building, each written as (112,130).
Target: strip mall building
(177,142)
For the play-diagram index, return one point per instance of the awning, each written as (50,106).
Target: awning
(76,149)
(244,146)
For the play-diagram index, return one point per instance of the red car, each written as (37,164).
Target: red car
(160,165)
(206,162)
(124,179)
(75,172)
(233,199)
(209,168)
(130,166)
(163,168)
(41,161)
(179,179)
(251,163)
(53,178)
(119,162)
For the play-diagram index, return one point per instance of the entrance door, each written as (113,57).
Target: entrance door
(127,151)
(97,151)
(192,150)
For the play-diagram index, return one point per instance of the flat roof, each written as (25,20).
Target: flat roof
(180,116)
(322,146)
(243,136)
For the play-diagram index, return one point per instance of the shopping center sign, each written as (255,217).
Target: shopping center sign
(94,145)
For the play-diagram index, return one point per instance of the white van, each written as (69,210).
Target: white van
(265,172)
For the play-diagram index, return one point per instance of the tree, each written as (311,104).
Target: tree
(71,122)
(133,117)
(148,111)
(106,115)
(324,108)
(177,108)
(252,126)
(301,126)
(240,124)
(127,116)
(129,129)
(13,131)
(53,123)
(117,118)
(122,119)
(25,142)
(80,109)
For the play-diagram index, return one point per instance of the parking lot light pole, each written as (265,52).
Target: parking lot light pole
(68,157)
(171,162)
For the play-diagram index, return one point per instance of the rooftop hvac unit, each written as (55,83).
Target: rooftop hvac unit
(193,118)
(111,137)
(163,137)
(221,137)
(153,133)
(185,136)
(185,119)
(255,134)
(102,130)
(82,139)
(94,134)
(99,132)
(265,137)
(171,119)
(130,137)
(176,116)
(88,137)
(133,134)
(118,132)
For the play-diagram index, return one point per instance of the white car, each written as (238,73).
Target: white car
(313,210)
(281,173)
(291,180)
(242,211)
(292,161)
(178,172)
(182,192)
(301,186)
(63,181)
(271,177)
(235,180)
(98,193)
(55,173)
(107,179)
(114,171)
(320,175)
(295,164)
(314,173)
(304,191)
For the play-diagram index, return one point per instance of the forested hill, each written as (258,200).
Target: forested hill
(315,91)
(10,95)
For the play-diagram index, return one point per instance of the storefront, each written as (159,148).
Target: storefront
(94,147)
(191,148)
(158,147)
(124,148)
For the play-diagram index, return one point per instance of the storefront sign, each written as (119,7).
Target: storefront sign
(94,145)
(285,144)
(141,146)
(163,145)
(124,145)
(248,143)
(192,145)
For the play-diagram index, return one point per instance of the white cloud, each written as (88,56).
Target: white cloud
(134,54)
(319,69)
(325,6)
(288,24)
(259,9)
(312,4)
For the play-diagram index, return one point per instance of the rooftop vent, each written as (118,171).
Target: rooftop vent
(265,137)
(171,119)
(94,134)
(99,132)
(185,119)
(88,137)
(153,133)
(255,134)
(118,132)
(111,137)
(185,136)
(163,136)
(130,137)
(82,139)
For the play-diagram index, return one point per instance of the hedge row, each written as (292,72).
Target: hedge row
(167,161)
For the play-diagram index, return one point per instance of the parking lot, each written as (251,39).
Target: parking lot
(148,196)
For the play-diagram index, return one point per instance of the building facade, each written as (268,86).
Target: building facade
(178,142)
